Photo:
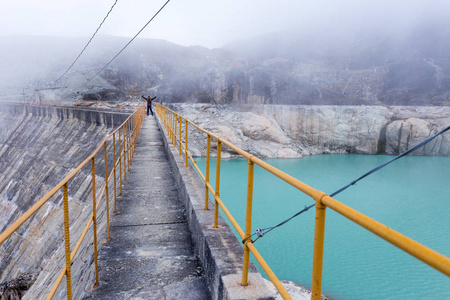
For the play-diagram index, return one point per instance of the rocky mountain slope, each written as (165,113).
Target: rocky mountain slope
(411,68)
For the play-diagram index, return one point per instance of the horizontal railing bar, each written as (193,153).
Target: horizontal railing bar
(416,249)
(198,170)
(273,278)
(4,235)
(99,198)
(72,256)
(111,174)
(23,218)
(210,188)
(230,217)
(310,191)
(194,163)
(80,240)
(56,284)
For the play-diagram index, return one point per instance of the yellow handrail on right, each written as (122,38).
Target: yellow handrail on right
(322,200)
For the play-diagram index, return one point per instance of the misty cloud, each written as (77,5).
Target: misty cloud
(407,40)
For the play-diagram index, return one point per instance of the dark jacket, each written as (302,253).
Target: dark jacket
(149,100)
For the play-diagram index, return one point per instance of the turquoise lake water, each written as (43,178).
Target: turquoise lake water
(411,195)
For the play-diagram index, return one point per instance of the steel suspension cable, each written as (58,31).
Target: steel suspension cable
(260,232)
(129,42)
(88,41)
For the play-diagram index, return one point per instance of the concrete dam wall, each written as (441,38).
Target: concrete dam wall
(39,146)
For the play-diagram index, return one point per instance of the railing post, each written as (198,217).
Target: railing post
(174,127)
(107,191)
(186,152)
(165,117)
(319,235)
(175,131)
(124,154)
(94,221)
(136,132)
(208,157)
(180,137)
(120,165)
(216,192)
(172,115)
(114,170)
(129,143)
(138,129)
(133,136)
(127,146)
(67,241)
(170,125)
(248,220)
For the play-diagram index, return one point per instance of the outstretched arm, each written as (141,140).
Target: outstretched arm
(153,98)
(144,97)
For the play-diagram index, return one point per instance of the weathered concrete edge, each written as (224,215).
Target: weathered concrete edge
(107,118)
(218,249)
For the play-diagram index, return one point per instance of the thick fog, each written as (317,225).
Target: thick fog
(215,23)
(39,40)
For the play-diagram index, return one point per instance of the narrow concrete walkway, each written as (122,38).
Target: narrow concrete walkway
(150,254)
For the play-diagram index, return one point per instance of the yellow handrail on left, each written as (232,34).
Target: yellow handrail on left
(132,124)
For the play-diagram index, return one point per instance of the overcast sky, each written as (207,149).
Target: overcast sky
(210,23)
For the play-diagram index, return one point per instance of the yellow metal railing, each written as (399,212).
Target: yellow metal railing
(170,119)
(127,134)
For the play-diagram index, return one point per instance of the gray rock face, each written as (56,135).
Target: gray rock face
(285,131)
(16,288)
(410,67)
(404,134)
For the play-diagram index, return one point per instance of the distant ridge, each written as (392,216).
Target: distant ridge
(275,68)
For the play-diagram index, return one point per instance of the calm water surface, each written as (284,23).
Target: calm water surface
(410,195)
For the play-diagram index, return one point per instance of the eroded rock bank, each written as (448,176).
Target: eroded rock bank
(293,131)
